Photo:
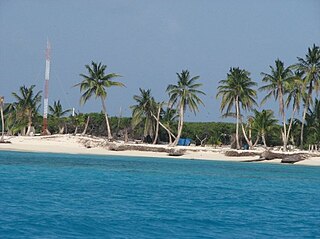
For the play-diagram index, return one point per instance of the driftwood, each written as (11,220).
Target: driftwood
(123,147)
(92,143)
(235,153)
(170,151)
(5,142)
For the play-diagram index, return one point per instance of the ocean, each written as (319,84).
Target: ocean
(80,196)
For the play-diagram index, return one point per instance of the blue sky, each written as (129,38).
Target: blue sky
(147,42)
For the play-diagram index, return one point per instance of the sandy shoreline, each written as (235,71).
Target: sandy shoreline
(74,145)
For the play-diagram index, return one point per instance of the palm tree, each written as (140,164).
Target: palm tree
(145,109)
(96,84)
(57,112)
(234,91)
(184,94)
(296,94)
(278,83)
(310,66)
(2,118)
(263,122)
(27,104)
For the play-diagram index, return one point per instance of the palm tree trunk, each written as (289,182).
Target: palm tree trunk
(169,137)
(264,140)
(107,120)
(245,136)
(23,131)
(237,124)
(290,124)
(86,126)
(302,125)
(180,125)
(256,142)
(29,125)
(306,106)
(250,134)
(2,122)
(284,138)
(284,131)
(61,129)
(157,127)
(166,129)
(248,140)
(76,130)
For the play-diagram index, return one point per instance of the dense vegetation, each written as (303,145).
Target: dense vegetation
(294,87)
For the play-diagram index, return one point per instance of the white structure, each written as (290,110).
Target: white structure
(46,91)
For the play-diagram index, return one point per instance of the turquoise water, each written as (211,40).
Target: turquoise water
(72,196)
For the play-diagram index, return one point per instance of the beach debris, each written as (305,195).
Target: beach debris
(139,147)
(92,142)
(116,147)
(176,152)
(294,158)
(285,157)
(269,155)
(240,153)
(5,142)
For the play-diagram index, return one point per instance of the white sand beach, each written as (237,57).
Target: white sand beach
(79,145)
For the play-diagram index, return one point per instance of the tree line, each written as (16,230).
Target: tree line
(293,87)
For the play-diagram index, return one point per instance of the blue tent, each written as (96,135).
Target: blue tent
(184,142)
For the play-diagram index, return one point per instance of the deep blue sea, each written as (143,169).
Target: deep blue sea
(79,196)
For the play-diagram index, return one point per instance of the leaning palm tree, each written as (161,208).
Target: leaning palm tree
(263,123)
(237,90)
(56,111)
(184,94)
(96,84)
(278,82)
(144,110)
(2,118)
(27,104)
(310,66)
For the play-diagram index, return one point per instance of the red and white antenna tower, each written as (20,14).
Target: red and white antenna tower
(45,130)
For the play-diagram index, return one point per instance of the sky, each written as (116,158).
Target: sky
(147,42)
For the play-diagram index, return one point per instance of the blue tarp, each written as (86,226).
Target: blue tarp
(184,142)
